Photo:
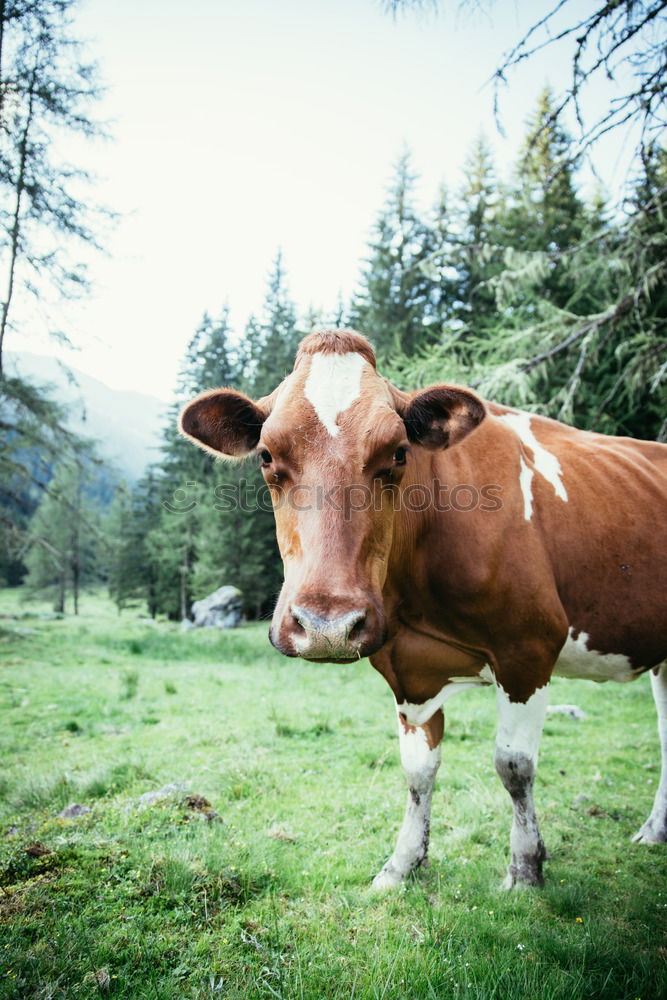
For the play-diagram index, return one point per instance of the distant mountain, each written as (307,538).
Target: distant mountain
(127,424)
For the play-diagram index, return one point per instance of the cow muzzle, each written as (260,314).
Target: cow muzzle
(313,636)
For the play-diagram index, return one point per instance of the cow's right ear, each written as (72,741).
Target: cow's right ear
(224,422)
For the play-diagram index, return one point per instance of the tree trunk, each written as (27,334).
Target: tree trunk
(76,573)
(16,220)
(2,38)
(59,603)
(186,568)
(75,560)
(184,595)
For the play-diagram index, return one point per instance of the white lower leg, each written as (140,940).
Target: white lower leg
(519,731)
(420,762)
(654,830)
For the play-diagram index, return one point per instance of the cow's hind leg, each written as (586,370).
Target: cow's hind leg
(420,757)
(654,830)
(517,742)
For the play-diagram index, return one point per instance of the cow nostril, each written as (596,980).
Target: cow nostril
(302,619)
(357,628)
(297,625)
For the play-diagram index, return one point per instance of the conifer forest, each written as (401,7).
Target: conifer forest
(514,282)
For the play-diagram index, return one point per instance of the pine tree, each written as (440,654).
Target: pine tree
(274,339)
(64,551)
(45,91)
(210,361)
(628,390)
(545,194)
(476,254)
(533,237)
(134,514)
(171,549)
(117,527)
(236,533)
(467,257)
(237,541)
(137,577)
(209,531)
(397,306)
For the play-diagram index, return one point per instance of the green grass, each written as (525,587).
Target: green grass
(300,761)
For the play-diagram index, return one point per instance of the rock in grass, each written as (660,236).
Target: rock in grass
(572,711)
(221,609)
(73,810)
(174,792)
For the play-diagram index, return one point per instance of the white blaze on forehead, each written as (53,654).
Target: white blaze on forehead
(544,461)
(332,385)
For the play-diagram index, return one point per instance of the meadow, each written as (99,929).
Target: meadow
(280,796)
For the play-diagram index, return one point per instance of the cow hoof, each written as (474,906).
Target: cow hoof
(524,880)
(388,878)
(649,835)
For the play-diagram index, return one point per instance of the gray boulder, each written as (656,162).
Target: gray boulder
(573,711)
(221,609)
(175,791)
(73,810)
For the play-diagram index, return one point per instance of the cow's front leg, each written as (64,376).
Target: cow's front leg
(517,742)
(654,830)
(420,757)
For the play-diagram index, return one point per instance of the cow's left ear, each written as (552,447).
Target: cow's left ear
(441,416)
(225,422)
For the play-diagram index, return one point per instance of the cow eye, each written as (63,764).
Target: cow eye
(265,457)
(400,455)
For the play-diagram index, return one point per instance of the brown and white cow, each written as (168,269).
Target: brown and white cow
(455,542)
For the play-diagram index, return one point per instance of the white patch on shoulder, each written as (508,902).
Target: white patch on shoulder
(333,384)
(577,659)
(526,484)
(544,461)
(418,714)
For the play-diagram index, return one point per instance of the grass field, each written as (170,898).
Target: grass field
(272,897)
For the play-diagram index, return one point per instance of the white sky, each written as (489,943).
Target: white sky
(242,126)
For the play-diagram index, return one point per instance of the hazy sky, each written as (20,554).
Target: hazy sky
(242,126)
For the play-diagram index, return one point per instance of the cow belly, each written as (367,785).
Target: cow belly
(576,660)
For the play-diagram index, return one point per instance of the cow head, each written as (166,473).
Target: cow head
(337,444)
